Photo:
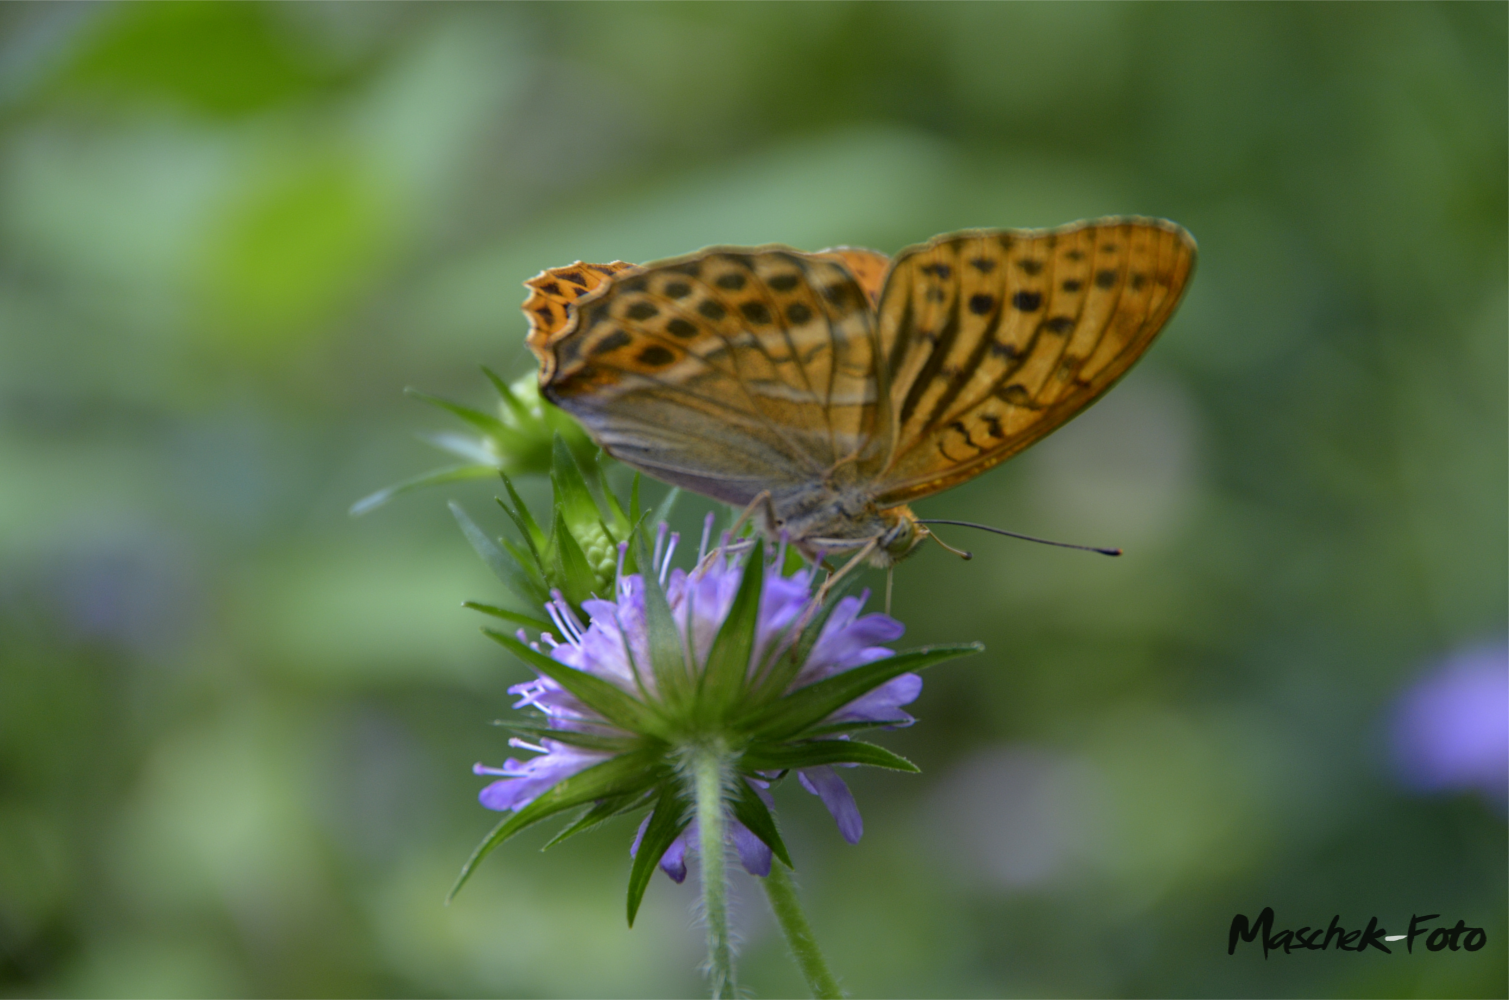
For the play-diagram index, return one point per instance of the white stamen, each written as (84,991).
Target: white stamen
(519,744)
(666,563)
(660,540)
(565,619)
(702,547)
(574,626)
(554,611)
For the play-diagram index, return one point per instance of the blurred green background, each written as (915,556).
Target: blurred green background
(237,725)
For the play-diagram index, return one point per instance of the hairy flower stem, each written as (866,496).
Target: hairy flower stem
(710,774)
(782,894)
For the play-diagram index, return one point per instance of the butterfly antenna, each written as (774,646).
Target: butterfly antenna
(1026,538)
(967,556)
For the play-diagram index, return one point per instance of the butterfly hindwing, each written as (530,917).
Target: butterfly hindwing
(729,371)
(868,266)
(554,291)
(993,338)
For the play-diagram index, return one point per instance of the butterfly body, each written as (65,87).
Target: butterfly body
(835,387)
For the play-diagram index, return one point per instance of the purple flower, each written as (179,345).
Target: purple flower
(692,695)
(616,646)
(1451,729)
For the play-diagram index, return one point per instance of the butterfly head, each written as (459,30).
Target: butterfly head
(903,533)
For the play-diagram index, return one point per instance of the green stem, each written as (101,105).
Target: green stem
(782,893)
(709,764)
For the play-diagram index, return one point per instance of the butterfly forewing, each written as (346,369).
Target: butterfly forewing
(729,372)
(994,338)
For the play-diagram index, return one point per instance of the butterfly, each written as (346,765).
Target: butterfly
(825,391)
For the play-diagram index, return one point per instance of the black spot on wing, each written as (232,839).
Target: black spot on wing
(959,425)
(612,342)
(656,356)
(1016,395)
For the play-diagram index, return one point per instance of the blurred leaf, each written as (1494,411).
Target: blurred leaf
(219,60)
(475,449)
(435,477)
(292,250)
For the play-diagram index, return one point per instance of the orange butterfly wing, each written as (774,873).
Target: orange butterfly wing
(993,338)
(552,295)
(868,266)
(729,371)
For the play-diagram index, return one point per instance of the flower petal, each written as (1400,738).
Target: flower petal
(674,861)
(884,704)
(753,853)
(828,786)
(529,779)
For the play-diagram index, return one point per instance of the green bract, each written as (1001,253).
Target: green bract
(576,555)
(516,439)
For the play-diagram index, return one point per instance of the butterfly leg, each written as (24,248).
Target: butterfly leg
(767,509)
(871,544)
(762,500)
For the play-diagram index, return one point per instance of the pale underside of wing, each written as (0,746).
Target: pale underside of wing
(730,371)
(991,339)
